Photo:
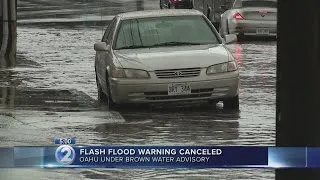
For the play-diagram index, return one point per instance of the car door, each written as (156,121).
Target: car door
(103,56)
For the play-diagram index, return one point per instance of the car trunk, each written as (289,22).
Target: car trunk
(261,14)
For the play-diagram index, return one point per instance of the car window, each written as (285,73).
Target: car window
(152,31)
(106,34)
(256,3)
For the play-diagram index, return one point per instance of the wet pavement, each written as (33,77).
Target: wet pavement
(52,93)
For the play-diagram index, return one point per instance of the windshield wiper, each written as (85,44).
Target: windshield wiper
(131,47)
(174,43)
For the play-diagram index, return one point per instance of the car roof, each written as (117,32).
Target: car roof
(159,13)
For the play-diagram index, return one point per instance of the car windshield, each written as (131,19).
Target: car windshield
(268,4)
(164,31)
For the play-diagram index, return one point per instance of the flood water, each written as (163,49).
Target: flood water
(52,93)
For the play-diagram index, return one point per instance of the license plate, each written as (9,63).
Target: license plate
(261,31)
(179,89)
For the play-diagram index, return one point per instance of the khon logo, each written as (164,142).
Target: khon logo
(65,155)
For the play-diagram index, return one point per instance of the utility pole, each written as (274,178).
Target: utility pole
(298,81)
(8,41)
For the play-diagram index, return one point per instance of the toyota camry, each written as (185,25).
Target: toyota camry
(165,56)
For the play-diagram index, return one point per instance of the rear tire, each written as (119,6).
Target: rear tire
(231,103)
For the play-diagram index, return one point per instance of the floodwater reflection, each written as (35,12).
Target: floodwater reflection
(7,97)
(172,125)
(7,89)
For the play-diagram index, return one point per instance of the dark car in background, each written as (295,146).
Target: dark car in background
(176,4)
(211,8)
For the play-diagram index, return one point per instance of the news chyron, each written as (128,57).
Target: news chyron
(65,154)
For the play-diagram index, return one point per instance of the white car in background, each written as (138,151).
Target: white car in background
(250,18)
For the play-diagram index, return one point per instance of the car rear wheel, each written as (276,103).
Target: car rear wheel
(232,103)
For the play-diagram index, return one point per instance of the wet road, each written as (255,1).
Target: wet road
(52,93)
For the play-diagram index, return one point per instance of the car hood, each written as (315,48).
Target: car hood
(151,59)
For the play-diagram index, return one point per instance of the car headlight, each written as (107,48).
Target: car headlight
(129,73)
(221,68)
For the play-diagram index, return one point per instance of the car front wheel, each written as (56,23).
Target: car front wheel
(105,98)
(101,95)
(231,103)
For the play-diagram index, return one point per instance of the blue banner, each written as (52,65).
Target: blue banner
(67,155)
(157,157)
(313,157)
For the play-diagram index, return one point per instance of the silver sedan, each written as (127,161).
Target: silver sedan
(164,56)
(250,18)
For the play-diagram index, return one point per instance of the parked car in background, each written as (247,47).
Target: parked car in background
(211,8)
(250,18)
(176,4)
(160,56)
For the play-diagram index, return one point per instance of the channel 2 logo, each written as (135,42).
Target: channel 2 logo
(65,155)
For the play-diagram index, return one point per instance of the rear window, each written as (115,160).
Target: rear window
(261,3)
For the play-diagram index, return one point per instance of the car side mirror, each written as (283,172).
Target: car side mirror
(230,38)
(101,46)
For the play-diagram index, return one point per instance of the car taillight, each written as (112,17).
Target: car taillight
(238,16)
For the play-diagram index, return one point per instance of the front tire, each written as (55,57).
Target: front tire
(101,95)
(105,98)
(231,103)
